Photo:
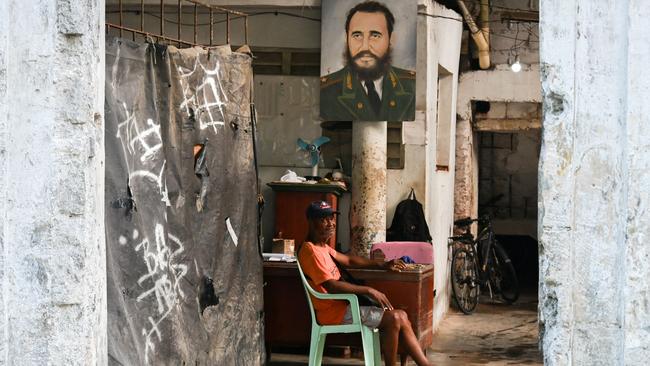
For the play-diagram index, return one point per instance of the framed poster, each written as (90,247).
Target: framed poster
(368,57)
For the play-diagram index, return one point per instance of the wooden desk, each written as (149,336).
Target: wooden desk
(287,317)
(291,201)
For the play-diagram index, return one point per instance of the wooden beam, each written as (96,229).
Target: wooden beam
(520,16)
(506,125)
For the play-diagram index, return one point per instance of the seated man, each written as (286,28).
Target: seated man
(317,259)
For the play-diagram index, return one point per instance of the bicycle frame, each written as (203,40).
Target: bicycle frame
(485,235)
(489,260)
(485,249)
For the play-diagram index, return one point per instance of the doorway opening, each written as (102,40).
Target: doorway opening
(508,194)
(496,175)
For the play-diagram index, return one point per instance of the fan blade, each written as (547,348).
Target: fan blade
(321,141)
(302,144)
(315,158)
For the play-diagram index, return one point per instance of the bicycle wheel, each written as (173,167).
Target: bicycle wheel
(502,274)
(464,280)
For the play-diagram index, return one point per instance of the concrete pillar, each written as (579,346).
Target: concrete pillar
(368,211)
(52,246)
(594,183)
(465,193)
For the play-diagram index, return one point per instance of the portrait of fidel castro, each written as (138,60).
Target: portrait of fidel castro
(368,87)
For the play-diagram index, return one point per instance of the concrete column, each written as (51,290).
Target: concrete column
(465,195)
(52,246)
(636,289)
(594,202)
(368,218)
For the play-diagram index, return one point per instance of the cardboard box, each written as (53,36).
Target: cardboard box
(284,246)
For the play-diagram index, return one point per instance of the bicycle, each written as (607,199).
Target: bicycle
(480,261)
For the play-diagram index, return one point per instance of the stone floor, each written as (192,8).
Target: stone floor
(496,334)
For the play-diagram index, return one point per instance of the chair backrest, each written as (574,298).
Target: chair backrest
(308,290)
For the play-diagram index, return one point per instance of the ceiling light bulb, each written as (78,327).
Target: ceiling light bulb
(516,67)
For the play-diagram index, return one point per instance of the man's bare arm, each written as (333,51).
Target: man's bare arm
(354,261)
(342,287)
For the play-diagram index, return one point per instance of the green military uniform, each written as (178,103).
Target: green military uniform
(343,98)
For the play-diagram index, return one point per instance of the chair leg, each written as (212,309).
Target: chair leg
(369,348)
(376,347)
(316,346)
(320,349)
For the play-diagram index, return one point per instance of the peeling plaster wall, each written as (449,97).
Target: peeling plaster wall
(52,246)
(466,172)
(440,49)
(594,185)
(498,85)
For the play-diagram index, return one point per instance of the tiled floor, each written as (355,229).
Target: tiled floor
(496,334)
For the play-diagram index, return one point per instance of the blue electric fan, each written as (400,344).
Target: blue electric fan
(313,150)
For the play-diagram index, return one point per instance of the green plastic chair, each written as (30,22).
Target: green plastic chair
(369,336)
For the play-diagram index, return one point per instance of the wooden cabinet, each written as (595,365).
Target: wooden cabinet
(291,201)
(287,317)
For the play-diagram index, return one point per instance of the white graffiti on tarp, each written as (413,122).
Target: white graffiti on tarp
(158,179)
(208,98)
(149,141)
(164,275)
(141,143)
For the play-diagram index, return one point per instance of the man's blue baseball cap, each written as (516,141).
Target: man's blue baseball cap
(320,209)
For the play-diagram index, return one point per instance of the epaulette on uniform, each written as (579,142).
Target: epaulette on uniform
(405,74)
(326,81)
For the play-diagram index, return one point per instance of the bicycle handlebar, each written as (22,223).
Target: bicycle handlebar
(463,238)
(468,221)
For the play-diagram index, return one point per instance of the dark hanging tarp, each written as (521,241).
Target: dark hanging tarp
(184,271)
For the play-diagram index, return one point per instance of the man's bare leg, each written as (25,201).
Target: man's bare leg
(395,325)
(389,330)
(410,343)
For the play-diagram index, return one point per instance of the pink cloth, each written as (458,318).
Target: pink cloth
(420,252)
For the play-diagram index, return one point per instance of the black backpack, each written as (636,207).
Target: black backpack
(408,222)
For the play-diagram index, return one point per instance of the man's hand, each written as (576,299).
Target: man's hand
(380,298)
(396,265)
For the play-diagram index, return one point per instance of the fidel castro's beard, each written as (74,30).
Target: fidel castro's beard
(369,74)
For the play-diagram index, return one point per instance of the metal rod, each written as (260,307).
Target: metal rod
(214,7)
(162,18)
(195,20)
(180,10)
(211,21)
(246,29)
(145,34)
(179,40)
(142,15)
(227,28)
(121,23)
